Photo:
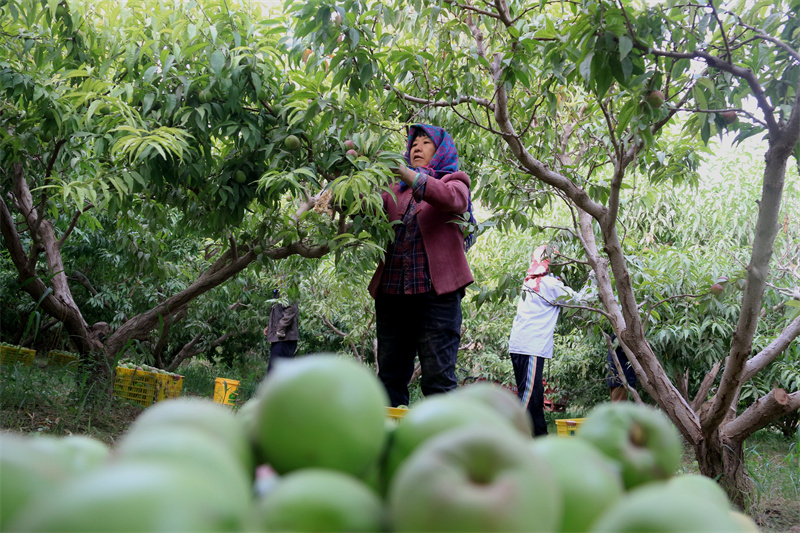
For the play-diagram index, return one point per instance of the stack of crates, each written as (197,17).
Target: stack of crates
(146,388)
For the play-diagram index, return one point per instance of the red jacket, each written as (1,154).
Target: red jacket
(443,238)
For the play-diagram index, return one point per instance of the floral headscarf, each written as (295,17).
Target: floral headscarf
(444,162)
(539,267)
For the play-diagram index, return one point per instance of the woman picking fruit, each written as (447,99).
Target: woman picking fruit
(531,341)
(419,285)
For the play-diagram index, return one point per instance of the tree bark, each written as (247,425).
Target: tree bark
(766,409)
(759,361)
(140,326)
(765,232)
(705,386)
(55,300)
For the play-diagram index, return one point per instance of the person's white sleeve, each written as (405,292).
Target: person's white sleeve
(587,293)
(568,296)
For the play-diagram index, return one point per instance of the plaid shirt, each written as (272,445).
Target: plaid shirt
(406,269)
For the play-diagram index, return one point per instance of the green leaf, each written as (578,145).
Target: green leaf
(217,61)
(585,67)
(625,46)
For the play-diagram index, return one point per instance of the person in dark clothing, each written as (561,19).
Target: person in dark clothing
(619,393)
(282,330)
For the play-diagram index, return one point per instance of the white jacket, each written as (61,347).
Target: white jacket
(537,313)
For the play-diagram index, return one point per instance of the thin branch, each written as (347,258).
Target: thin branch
(705,386)
(71,227)
(342,334)
(777,42)
(468,7)
(721,29)
(621,372)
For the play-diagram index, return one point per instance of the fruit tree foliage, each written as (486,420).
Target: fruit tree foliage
(551,100)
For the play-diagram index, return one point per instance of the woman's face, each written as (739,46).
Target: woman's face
(422,151)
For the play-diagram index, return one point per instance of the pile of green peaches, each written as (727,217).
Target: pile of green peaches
(314,451)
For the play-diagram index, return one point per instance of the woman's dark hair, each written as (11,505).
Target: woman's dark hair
(419,132)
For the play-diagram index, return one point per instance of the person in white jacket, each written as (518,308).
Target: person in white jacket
(531,341)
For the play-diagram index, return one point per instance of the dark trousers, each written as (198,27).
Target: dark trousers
(280,350)
(530,389)
(424,325)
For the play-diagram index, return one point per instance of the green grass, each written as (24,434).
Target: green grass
(53,400)
(774,466)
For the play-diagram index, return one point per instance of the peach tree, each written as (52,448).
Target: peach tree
(181,134)
(553,102)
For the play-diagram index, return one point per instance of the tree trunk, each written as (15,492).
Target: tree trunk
(722,459)
(720,455)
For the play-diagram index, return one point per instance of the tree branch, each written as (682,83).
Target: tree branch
(71,227)
(705,386)
(766,409)
(621,372)
(463,99)
(186,351)
(759,361)
(342,334)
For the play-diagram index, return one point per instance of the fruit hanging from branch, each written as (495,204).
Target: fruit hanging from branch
(292,142)
(730,116)
(655,99)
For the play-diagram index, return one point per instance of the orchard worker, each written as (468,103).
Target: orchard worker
(531,341)
(617,389)
(282,330)
(419,284)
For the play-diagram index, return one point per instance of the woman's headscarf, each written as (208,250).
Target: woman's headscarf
(444,162)
(539,267)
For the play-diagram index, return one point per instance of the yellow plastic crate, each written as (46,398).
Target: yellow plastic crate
(396,413)
(568,427)
(55,357)
(146,388)
(225,390)
(16,354)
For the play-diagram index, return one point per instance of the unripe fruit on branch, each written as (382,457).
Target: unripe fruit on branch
(292,142)
(655,99)
(729,116)
(349,144)
(352,153)
(61,12)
